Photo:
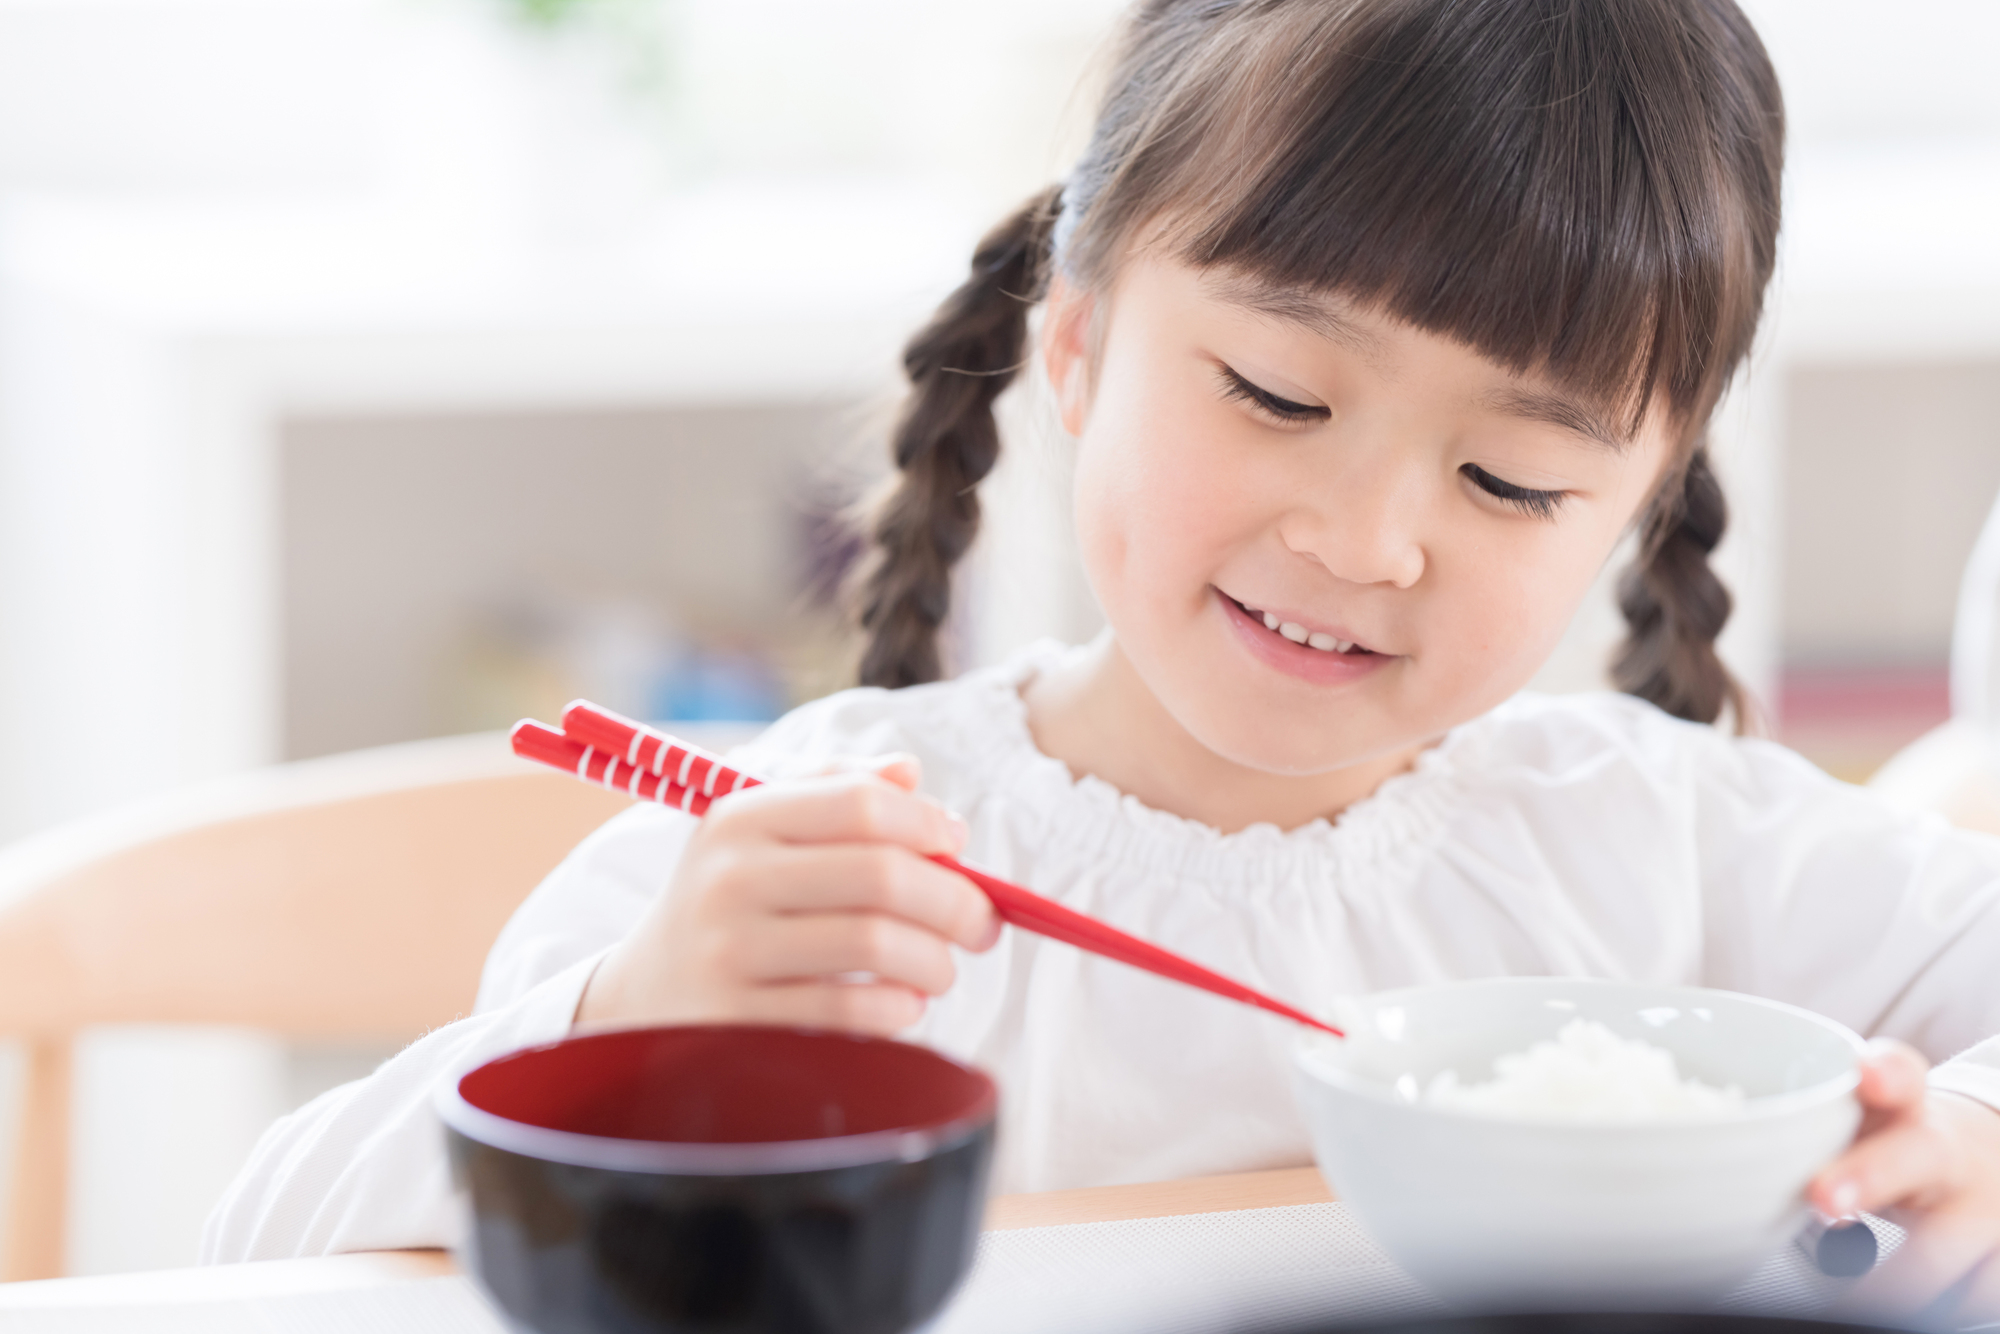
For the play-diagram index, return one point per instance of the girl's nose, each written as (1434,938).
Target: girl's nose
(1364,527)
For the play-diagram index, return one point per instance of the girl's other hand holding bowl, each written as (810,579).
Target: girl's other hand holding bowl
(811,903)
(1930,1161)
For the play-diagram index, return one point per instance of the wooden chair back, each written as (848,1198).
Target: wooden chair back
(346,899)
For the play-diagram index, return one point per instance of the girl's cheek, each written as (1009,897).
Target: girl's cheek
(1155,530)
(1130,481)
(1101,520)
(1511,604)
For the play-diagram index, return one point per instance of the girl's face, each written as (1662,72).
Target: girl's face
(1425,521)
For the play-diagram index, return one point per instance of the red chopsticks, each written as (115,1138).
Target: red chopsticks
(600,747)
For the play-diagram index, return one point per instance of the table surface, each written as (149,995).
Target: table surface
(333,1273)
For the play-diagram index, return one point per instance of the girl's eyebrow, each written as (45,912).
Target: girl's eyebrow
(1291,305)
(1557,410)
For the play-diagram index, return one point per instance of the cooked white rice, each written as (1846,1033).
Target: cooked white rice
(1587,1073)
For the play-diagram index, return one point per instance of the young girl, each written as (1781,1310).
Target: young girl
(1377,324)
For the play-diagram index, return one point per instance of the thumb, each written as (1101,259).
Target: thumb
(901,768)
(1892,1076)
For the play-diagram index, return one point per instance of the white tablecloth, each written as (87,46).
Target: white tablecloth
(1253,1269)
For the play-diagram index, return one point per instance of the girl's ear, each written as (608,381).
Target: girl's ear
(1066,350)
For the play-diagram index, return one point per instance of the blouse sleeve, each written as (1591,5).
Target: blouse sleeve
(363,1166)
(1822,894)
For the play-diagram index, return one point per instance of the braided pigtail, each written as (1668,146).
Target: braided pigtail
(946,442)
(1675,606)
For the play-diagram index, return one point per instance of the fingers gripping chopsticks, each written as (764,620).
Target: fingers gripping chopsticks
(599,746)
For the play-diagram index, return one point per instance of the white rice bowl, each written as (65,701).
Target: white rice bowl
(1511,1157)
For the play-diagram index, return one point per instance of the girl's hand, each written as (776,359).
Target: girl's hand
(803,903)
(1930,1161)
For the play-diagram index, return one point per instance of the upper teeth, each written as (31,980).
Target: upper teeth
(1298,634)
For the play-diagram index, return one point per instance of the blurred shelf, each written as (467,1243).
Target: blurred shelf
(149,357)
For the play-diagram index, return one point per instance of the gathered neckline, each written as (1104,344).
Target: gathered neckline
(1401,817)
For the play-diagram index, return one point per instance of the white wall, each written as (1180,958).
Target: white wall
(1863,70)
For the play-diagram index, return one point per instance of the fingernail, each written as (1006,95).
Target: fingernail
(1844,1198)
(960,831)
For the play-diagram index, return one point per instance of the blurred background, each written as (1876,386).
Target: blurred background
(373,370)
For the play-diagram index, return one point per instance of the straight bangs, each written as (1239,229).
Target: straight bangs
(1564,186)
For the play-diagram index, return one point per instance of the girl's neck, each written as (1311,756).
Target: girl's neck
(1095,715)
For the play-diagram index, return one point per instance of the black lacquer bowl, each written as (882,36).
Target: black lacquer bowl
(725,1178)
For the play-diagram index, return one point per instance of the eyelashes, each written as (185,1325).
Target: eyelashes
(1540,504)
(1537,504)
(1236,387)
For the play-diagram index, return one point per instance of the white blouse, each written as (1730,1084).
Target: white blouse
(1583,835)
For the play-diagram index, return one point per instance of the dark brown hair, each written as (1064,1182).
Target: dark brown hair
(1583,189)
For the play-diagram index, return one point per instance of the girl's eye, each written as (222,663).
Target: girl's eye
(1541,504)
(1235,386)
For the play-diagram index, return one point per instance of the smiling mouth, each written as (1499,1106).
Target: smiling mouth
(1302,635)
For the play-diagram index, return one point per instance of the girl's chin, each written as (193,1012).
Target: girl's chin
(1277,746)
(1267,733)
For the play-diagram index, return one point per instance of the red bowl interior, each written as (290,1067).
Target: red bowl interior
(729,1084)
